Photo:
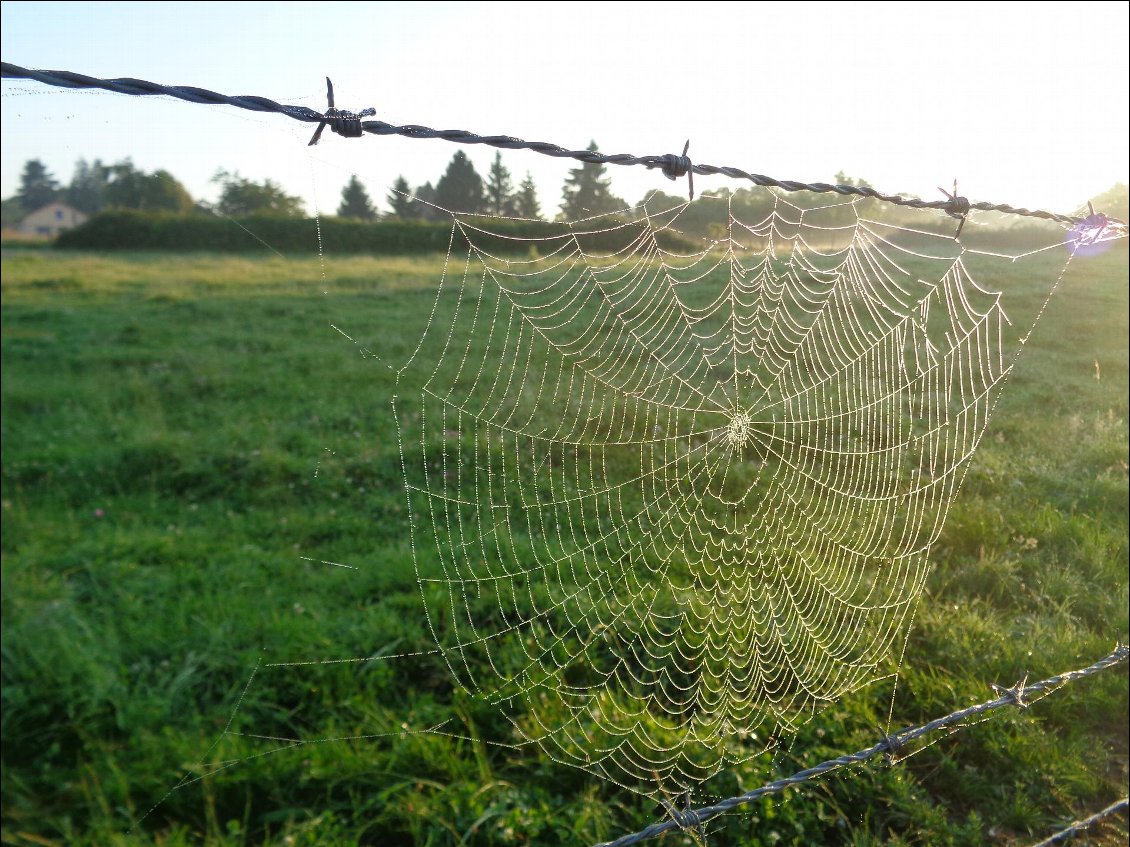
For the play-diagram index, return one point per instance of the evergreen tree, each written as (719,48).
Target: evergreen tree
(460,189)
(87,191)
(526,203)
(499,199)
(355,202)
(400,200)
(37,186)
(424,211)
(240,196)
(586,192)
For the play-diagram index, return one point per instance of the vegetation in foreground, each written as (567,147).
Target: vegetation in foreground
(179,432)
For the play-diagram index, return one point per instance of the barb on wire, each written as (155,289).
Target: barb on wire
(678,166)
(346,124)
(956,207)
(669,163)
(892,745)
(1017,695)
(1079,826)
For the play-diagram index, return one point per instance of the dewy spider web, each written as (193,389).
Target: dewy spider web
(670,496)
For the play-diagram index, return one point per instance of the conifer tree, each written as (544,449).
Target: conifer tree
(526,203)
(37,186)
(400,200)
(460,189)
(587,192)
(500,188)
(355,202)
(425,210)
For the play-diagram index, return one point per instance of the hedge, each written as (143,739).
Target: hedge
(130,230)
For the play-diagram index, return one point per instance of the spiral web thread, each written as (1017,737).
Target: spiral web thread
(669,500)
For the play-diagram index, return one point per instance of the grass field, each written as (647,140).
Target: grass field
(179,432)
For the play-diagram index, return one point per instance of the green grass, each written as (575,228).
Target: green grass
(179,431)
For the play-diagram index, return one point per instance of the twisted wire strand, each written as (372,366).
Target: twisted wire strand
(1017,695)
(1079,826)
(671,164)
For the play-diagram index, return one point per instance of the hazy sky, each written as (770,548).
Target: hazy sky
(1025,103)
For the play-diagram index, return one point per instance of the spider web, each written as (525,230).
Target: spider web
(669,495)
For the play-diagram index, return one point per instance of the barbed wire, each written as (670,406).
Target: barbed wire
(1079,826)
(352,125)
(674,166)
(1016,695)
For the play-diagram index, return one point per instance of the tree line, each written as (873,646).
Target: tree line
(586,192)
(96,186)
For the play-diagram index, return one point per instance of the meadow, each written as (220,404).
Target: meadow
(186,442)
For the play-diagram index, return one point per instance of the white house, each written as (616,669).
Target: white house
(48,221)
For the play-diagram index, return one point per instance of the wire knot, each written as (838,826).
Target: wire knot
(956,207)
(686,818)
(676,167)
(1016,693)
(893,744)
(346,124)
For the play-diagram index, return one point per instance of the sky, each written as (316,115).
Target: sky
(1022,103)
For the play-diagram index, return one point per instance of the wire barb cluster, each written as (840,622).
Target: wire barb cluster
(674,167)
(956,207)
(1017,695)
(892,744)
(345,123)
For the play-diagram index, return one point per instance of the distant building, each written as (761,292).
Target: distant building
(50,220)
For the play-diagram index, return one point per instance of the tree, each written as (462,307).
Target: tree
(586,192)
(355,202)
(400,200)
(867,207)
(526,203)
(128,187)
(656,202)
(240,196)
(37,186)
(844,179)
(11,212)
(424,210)
(499,191)
(752,205)
(460,189)
(87,191)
